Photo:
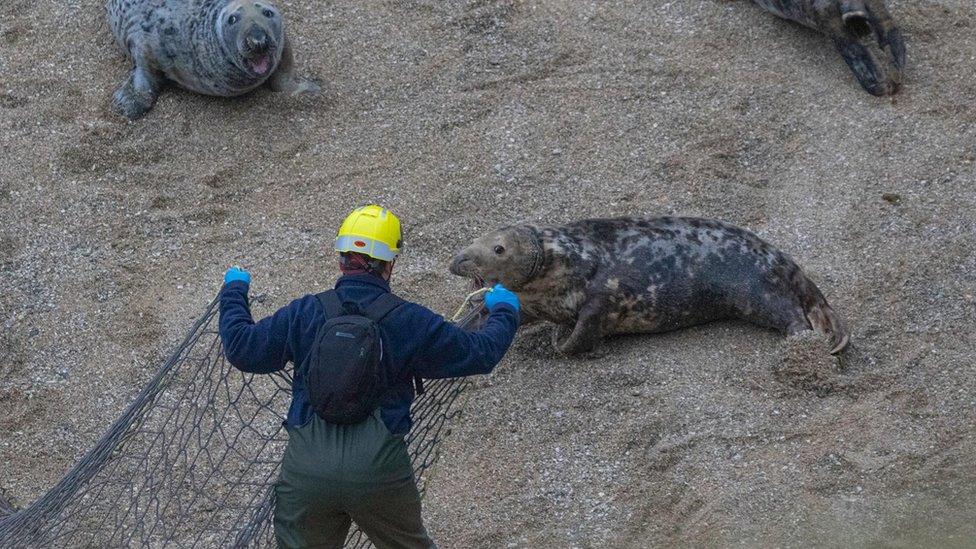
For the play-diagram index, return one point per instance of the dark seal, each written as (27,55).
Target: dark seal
(215,47)
(862,31)
(600,277)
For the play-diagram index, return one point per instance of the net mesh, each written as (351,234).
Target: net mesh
(192,461)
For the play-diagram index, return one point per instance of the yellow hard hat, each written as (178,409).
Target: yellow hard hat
(371,230)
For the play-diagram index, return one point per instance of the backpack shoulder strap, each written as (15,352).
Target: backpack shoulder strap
(330,302)
(384,305)
(377,310)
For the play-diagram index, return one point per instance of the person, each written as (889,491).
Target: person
(335,473)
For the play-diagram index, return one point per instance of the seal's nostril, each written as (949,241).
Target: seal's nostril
(456,263)
(256,40)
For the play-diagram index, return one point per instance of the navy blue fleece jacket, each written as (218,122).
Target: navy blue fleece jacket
(416,342)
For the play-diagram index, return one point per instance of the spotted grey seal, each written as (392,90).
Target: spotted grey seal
(851,24)
(599,277)
(215,47)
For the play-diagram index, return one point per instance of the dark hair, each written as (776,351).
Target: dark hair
(355,261)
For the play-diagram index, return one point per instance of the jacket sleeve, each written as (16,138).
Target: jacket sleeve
(259,348)
(449,351)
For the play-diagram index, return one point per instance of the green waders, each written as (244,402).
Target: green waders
(334,474)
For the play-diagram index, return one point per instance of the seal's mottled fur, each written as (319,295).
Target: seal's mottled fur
(862,31)
(214,47)
(600,277)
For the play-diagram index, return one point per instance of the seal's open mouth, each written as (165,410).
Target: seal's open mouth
(260,64)
(464,267)
(477,282)
(257,47)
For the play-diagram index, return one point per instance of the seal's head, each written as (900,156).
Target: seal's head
(512,256)
(252,35)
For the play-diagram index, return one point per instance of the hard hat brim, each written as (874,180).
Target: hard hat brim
(365,245)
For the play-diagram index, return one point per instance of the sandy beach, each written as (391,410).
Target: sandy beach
(467,115)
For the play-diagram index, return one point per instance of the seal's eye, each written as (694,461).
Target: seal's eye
(233,19)
(499,250)
(269,14)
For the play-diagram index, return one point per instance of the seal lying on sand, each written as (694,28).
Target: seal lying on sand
(851,24)
(214,47)
(599,277)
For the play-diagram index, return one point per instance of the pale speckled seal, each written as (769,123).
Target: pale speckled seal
(215,47)
(862,31)
(599,277)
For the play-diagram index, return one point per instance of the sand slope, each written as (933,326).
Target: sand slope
(466,115)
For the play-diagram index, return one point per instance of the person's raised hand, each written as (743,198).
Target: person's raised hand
(500,294)
(236,273)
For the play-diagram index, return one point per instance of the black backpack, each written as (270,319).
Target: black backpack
(344,370)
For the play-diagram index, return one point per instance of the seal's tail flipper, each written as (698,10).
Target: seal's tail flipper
(871,44)
(822,317)
(825,320)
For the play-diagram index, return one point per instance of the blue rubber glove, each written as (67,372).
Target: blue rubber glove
(501,294)
(236,273)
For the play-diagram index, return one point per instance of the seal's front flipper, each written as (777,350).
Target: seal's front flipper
(577,340)
(138,94)
(871,44)
(590,329)
(286,80)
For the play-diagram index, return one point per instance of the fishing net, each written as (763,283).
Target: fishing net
(192,461)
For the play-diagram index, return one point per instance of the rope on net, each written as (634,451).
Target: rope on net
(193,459)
